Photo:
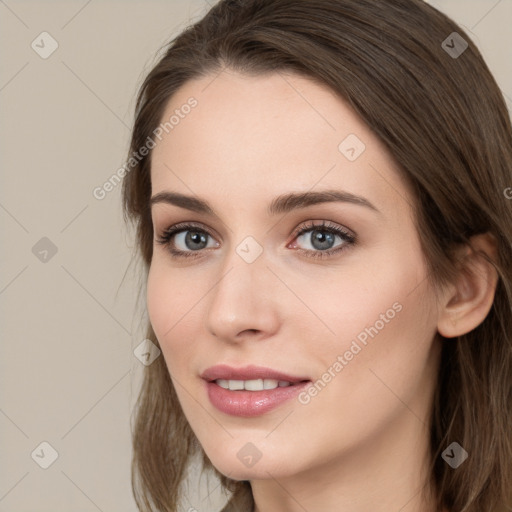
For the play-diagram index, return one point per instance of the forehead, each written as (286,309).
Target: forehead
(253,137)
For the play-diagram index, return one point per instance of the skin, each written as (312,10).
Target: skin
(361,443)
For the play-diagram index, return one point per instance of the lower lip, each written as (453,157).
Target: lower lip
(251,403)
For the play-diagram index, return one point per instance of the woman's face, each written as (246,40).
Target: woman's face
(346,306)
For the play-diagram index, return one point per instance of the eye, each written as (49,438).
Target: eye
(320,239)
(185,239)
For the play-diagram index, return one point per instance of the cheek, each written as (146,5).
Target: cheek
(365,297)
(160,300)
(380,324)
(382,357)
(173,307)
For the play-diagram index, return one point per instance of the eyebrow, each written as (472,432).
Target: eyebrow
(281,204)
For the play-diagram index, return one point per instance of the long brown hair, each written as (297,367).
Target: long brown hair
(444,119)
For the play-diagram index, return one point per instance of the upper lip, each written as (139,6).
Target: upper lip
(251,372)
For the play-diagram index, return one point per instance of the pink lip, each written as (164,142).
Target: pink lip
(249,403)
(223,371)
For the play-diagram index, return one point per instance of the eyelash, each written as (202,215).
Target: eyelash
(349,239)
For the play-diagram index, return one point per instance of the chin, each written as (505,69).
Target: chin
(237,469)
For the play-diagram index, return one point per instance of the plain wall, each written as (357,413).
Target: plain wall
(71,320)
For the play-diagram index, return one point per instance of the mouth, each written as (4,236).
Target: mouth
(250,391)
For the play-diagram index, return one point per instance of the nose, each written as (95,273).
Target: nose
(243,303)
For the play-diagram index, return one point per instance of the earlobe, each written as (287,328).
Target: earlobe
(468,301)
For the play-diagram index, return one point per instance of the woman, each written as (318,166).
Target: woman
(320,195)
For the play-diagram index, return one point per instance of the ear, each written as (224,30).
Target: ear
(468,300)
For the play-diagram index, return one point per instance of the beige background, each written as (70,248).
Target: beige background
(69,325)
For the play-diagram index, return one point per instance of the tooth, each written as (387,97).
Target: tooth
(253,385)
(270,383)
(235,385)
(223,383)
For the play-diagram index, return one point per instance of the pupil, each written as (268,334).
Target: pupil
(325,239)
(196,238)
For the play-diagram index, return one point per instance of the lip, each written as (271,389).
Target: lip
(250,372)
(251,403)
